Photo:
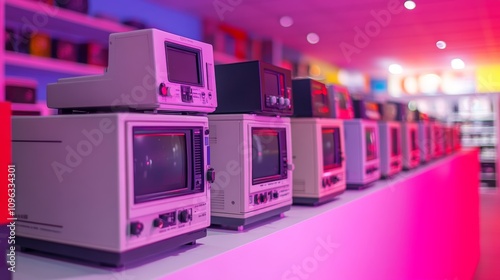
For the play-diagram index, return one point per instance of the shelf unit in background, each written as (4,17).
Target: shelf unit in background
(55,21)
(478,116)
(481,130)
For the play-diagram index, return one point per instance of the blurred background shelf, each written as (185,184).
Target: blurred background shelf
(50,64)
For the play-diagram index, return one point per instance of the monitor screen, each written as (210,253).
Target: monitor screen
(271,83)
(428,143)
(266,160)
(183,65)
(413,139)
(371,143)
(395,143)
(331,148)
(160,164)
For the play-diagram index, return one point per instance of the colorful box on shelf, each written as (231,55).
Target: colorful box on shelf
(81,6)
(15,41)
(20,90)
(40,45)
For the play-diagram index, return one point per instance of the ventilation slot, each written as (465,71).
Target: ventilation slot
(217,200)
(198,154)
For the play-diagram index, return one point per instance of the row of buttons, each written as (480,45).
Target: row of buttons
(265,197)
(371,170)
(395,163)
(330,181)
(163,221)
(186,93)
(275,101)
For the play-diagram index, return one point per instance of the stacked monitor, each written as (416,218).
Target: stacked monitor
(251,143)
(119,175)
(318,140)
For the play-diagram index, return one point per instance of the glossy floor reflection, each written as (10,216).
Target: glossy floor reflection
(489,263)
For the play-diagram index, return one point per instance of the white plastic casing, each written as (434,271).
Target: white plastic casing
(136,71)
(75,177)
(309,178)
(411,157)
(389,164)
(359,171)
(231,155)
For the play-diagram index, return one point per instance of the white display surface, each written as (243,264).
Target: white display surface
(382,232)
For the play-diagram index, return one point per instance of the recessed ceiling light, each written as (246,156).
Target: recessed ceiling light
(410,5)
(441,45)
(286,21)
(457,63)
(312,38)
(395,69)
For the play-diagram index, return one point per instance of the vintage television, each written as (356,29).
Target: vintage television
(362,148)
(391,158)
(111,188)
(148,70)
(319,174)
(438,138)
(409,132)
(254,87)
(254,154)
(341,103)
(425,137)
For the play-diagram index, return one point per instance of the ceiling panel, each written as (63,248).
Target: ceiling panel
(471,29)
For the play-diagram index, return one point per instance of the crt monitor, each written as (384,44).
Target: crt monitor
(148,70)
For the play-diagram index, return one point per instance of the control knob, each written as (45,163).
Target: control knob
(211,175)
(163,90)
(136,228)
(335,179)
(281,101)
(272,100)
(287,102)
(158,223)
(183,216)
(275,194)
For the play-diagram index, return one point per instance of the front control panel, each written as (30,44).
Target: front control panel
(331,180)
(168,222)
(172,93)
(277,102)
(268,197)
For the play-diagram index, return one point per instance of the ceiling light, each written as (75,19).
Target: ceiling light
(441,45)
(410,5)
(312,38)
(457,63)
(286,21)
(395,69)
(429,83)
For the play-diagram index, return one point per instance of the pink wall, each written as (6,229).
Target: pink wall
(424,227)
